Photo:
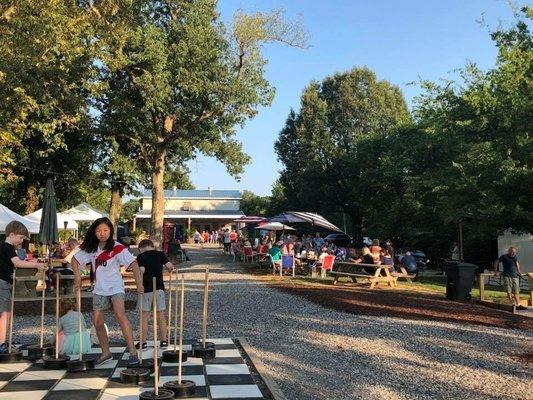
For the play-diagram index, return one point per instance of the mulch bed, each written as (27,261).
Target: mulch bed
(34,307)
(408,304)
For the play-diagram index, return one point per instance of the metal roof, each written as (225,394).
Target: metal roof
(198,194)
(207,214)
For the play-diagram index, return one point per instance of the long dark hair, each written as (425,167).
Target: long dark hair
(90,243)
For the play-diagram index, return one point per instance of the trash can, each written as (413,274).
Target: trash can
(460,279)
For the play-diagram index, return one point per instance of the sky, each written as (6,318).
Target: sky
(402,41)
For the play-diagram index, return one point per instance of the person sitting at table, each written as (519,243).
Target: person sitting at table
(275,252)
(57,251)
(375,250)
(365,258)
(340,254)
(72,248)
(386,259)
(297,245)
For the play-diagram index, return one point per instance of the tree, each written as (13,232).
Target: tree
(129,210)
(184,82)
(253,204)
(45,71)
(321,146)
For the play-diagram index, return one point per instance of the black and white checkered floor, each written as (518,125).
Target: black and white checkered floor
(225,377)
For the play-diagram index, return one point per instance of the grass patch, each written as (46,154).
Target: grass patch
(434,283)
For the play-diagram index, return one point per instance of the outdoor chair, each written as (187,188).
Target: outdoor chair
(248,253)
(325,265)
(236,252)
(287,261)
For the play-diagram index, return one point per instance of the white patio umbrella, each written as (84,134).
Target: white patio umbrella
(275,226)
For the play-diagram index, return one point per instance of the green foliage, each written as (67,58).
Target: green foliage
(129,209)
(45,81)
(178,177)
(253,204)
(324,145)
(466,157)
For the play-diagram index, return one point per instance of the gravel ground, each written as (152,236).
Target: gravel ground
(317,353)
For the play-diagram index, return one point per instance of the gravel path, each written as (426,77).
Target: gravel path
(317,353)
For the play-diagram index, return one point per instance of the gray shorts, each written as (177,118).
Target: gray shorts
(147,302)
(511,285)
(102,303)
(5,296)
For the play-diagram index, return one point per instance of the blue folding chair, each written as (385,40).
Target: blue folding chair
(287,261)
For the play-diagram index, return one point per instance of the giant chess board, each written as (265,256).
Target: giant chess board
(225,377)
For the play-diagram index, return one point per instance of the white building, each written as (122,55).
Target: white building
(199,209)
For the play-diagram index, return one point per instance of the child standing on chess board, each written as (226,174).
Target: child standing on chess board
(153,262)
(105,257)
(15,232)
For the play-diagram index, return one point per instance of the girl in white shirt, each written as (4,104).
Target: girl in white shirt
(105,256)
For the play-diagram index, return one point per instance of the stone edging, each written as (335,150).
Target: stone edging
(276,392)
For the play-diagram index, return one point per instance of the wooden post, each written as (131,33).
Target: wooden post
(140,301)
(57,316)
(182,303)
(12,311)
(461,240)
(204,319)
(156,367)
(481,287)
(169,305)
(43,293)
(79,321)
(175,312)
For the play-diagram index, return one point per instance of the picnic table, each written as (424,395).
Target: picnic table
(304,262)
(358,270)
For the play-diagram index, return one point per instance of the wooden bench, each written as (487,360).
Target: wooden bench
(481,281)
(403,274)
(354,273)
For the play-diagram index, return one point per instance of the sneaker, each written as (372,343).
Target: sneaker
(133,359)
(521,307)
(163,343)
(144,345)
(102,361)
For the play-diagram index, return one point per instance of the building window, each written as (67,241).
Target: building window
(186,206)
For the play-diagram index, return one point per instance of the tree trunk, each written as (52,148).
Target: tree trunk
(158,200)
(357,223)
(32,199)
(115,206)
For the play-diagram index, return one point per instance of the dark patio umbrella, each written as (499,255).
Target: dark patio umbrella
(48,233)
(292,217)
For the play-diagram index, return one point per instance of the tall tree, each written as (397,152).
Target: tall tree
(45,71)
(184,82)
(320,147)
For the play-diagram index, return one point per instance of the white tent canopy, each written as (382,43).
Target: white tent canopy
(6,216)
(84,213)
(61,218)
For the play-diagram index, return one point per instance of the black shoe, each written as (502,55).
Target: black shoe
(144,345)
(163,343)
(521,307)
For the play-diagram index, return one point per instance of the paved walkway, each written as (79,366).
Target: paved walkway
(315,353)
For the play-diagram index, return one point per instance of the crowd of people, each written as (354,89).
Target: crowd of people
(315,247)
